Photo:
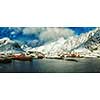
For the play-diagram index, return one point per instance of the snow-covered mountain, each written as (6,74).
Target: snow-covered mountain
(92,45)
(25,47)
(51,49)
(83,44)
(9,46)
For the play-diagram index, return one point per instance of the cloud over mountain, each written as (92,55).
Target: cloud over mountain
(48,34)
(51,34)
(40,35)
(33,30)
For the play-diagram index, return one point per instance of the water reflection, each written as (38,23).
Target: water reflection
(53,65)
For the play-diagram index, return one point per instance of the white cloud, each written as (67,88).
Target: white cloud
(32,30)
(51,34)
(48,34)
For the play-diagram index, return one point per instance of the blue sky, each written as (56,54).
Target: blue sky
(79,30)
(40,35)
(5,32)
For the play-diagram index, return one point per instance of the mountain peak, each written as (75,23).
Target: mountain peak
(9,46)
(5,40)
(80,43)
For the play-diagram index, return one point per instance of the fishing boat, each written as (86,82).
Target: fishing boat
(22,57)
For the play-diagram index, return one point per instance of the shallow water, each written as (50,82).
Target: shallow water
(77,65)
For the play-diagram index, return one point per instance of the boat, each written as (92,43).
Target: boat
(71,59)
(22,57)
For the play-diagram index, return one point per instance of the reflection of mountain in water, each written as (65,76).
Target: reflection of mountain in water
(53,65)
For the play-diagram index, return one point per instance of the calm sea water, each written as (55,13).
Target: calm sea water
(53,66)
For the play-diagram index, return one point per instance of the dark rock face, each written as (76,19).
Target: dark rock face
(93,43)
